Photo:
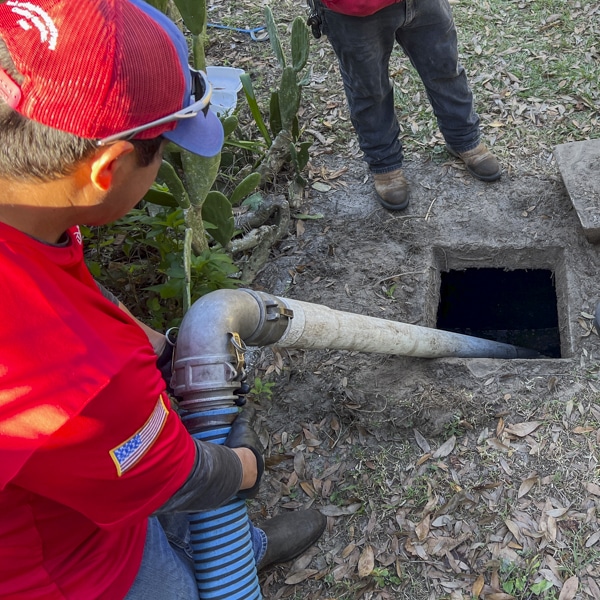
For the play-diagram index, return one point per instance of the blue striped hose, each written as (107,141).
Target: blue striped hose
(222,548)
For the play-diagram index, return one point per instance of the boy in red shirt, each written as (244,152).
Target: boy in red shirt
(90,449)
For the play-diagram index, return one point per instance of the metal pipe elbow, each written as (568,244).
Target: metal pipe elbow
(209,357)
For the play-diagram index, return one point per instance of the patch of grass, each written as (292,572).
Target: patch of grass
(456,427)
(534,68)
(522,580)
(576,557)
(379,471)
(417,493)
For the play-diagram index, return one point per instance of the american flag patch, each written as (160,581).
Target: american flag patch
(127,454)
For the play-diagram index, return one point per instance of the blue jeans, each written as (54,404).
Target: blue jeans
(425,30)
(167,569)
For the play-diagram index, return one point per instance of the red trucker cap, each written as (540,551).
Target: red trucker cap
(106,69)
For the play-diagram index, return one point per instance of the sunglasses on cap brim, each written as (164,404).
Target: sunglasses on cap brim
(201,88)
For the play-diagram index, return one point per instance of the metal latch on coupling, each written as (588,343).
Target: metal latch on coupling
(240,367)
(240,348)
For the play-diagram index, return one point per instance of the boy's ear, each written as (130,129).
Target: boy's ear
(105,163)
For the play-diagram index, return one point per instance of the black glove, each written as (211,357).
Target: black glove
(164,362)
(242,435)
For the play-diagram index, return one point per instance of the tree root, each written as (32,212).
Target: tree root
(261,237)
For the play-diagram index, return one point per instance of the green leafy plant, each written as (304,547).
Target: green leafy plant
(457,426)
(389,291)
(418,492)
(177,245)
(141,255)
(384,577)
(262,389)
(517,578)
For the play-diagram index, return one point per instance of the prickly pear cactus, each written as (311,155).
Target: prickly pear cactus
(274,37)
(289,98)
(300,44)
(285,101)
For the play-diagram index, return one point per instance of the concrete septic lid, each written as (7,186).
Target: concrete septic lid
(579,165)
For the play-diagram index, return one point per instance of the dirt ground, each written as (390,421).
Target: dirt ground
(355,408)
(442,478)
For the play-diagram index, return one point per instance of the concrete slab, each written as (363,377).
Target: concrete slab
(579,165)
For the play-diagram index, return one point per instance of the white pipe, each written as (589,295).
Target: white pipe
(317,326)
(206,368)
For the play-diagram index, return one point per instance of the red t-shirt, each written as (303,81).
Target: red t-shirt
(358,8)
(89,446)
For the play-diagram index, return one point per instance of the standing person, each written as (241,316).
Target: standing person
(97,471)
(362,34)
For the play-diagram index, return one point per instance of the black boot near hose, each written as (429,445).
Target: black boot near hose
(290,534)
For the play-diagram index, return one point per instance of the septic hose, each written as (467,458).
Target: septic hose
(221,545)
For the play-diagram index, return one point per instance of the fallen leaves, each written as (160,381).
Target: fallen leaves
(300,576)
(366,562)
(478,586)
(522,429)
(422,528)
(421,441)
(513,528)
(446,448)
(593,488)
(433,517)
(332,510)
(569,588)
(526,486)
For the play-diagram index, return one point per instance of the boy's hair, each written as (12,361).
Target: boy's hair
(30,150)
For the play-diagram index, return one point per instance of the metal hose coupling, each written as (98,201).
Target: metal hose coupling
(209,366)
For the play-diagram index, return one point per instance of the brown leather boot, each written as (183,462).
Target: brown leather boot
(480,162)
(392,189)
(290,534)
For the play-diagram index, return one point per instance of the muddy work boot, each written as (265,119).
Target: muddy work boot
(290,534)
(392,189)
(480,162)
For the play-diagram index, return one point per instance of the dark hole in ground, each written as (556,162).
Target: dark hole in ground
(515,307)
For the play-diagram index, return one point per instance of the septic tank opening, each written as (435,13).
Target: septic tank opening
(515,307)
